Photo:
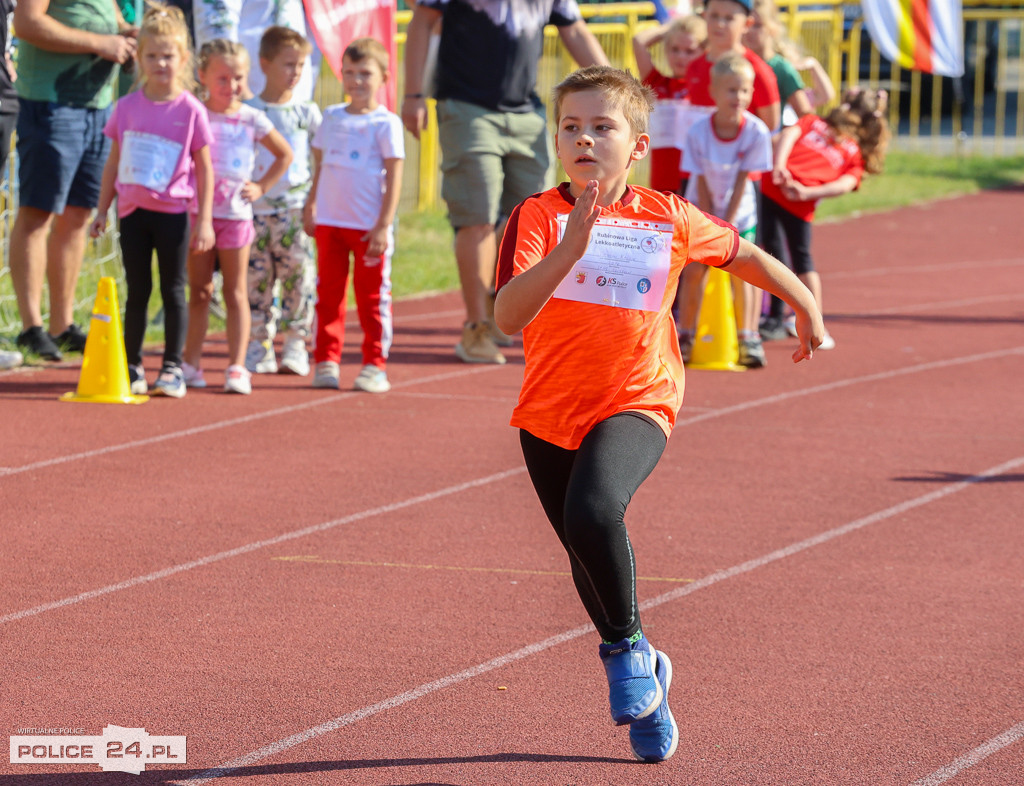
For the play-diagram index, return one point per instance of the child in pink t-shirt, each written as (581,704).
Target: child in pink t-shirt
(159,162)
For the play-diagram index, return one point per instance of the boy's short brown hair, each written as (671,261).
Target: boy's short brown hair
(634,98)
(277,37)
(362,48)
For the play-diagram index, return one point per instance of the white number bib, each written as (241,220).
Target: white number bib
(233,151)
(147,160)
(626,265)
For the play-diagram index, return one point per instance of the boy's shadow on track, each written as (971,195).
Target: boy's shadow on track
(157,777)
(939,319)
(959,477)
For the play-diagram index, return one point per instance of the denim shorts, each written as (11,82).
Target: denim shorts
(61,154)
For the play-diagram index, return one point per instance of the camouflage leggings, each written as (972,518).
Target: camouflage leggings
(281,252)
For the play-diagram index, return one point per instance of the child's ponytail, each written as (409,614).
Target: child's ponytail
(861,116)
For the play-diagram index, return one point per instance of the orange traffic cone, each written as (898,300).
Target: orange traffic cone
(716,345)
(104,376)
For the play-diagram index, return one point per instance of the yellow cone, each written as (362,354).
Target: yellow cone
(104,377)
(716,345)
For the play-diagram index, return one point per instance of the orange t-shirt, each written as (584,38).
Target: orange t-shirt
(588,361)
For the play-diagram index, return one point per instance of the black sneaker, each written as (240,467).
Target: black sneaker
(72,339)
(773,329)
(36,341)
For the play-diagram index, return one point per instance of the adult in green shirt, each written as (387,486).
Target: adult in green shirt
(68,57)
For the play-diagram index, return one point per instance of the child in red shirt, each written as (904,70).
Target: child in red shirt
(683,42)
(818,158)
(587,271)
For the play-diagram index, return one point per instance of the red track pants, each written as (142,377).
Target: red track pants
(371,283)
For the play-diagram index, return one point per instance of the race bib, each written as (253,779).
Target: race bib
(233,152)
(671,121)
(626,265)
(147,160)
(347,149)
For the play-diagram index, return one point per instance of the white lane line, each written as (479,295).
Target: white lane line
(270,413)
(245,549)
(977,755)
(330,399)
(533,649)
(260,544)
(843,383)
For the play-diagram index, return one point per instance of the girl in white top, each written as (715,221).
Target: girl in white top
(237,128)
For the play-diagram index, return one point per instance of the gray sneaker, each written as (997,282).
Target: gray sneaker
(752,353)
(137,380)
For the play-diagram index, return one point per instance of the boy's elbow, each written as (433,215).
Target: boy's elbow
(504,320)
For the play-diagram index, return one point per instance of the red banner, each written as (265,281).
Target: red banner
(336,23)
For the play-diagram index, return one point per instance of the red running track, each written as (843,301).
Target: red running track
(319,587)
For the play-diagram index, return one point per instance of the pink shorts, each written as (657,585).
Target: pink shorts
(231,233)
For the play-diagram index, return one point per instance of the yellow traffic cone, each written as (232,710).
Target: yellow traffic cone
(716,345)
(104,376)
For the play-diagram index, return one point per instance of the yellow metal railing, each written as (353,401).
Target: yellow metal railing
(923,114)
(831,31)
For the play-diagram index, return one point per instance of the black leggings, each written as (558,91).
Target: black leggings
(142,233)
(584,493)
(782,231)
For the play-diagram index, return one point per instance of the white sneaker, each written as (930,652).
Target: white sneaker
(10,359)
(326,375)
(260,359)
(294,357)
(373,380)
(237,379)
(193,376)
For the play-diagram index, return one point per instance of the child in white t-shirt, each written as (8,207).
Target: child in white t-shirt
(721,151)
(236,129)
(282,266)
(358,153)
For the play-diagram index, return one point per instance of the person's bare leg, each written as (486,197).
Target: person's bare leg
(28,262)
(64,253)
(689,297)
(475,254)
(200,290)
(234,265)
(748,305)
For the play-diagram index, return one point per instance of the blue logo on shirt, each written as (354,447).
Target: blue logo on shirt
(643,286)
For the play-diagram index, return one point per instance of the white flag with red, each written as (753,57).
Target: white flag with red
(926,35)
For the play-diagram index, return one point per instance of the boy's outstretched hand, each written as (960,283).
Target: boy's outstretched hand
(810,329)
(581,221)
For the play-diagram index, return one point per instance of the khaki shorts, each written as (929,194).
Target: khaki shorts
(491,161)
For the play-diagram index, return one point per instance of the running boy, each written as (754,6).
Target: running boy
(357,153)
(594,424)
(282,252)
(722,150)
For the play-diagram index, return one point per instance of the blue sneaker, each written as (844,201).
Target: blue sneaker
(655,737)
(171,382)
(633,690)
